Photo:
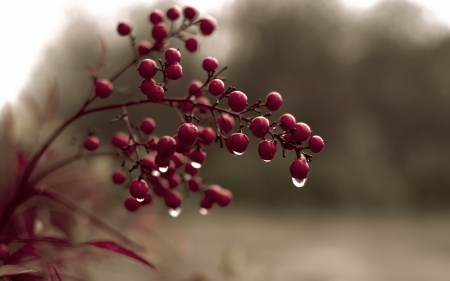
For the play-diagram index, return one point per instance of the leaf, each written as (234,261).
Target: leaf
(57,274)
(113,246)
(12,270)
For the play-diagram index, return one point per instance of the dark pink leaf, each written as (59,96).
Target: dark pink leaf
(57,274)
(113,246)
(12,270)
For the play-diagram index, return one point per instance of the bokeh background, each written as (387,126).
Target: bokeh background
(375,83)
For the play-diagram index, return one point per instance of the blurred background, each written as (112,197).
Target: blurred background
(372,79)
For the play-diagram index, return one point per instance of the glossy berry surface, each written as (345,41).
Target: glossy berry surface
(316,144)
(191,44)
(210,64)
(159,32)
(91,143)
(198,156)
(131,204)
(287,122)
(147,126)
(174,71)
(173,13)
(207,136)
(147,68)
(166,146)
(124,28)
(207,25)
(274,101)
(226,123)
(155,94)
(216,87)
(237,143)
(103,88)
(237,101)
(118,177)
(259,126)
(302,132)
(138,189)
(299,169)
(187,134)
(267,150)
(172,55)
(146,85)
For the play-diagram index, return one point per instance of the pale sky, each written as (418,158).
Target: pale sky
(27,25)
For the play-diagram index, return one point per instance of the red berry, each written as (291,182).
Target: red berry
(302,132)
(162,161)
(210,64)
(174,71)
(260,126)
(118,177)
(237,143)
(187,134)
(237,101)
(191,44)
(146,85)
(155,94)
(149,163)
(267,150)
(206,203)
(172,55)
(159,45)
(138,189)
(124,28)
(224,198)
(198,156)
(203,104)
(173,12)
(152,143)
(207,136)
(156,17)
(103,88)
(131,204)
(144,47)
(148,126)
(287,122)
(299,169)
(190,12)
(191,170)
(225,123)
(178,160)
(213,192)
(166,146)
(91,143)
(185,106)
(147,68)
(181,148)
(120,140)
(194,184)
(207,25)
(159,32)
(216,87)
(316,144)
(273,101)
(194,88)
(172,199)
(148,199)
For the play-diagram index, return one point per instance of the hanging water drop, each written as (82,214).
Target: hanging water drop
(196,165)
(174,212)
(267,161)
(204,211)
(163,169)
(156,173)
(140,199)
(299,182)
(238,153)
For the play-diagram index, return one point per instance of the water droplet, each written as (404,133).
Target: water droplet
(204,211)
(140,199)
(187,177)
(163,169)
(274,128)
(174,212)
(299,182)
(196,165)
(267,161)
(238,153)
(156,173)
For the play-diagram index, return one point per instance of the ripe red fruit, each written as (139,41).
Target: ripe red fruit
(316,144)
(174,181)
(172,199)
(146,85)
(191,170)
(213,192)
(155,94)
(299,169)
(166,146)
(207,25)
(131,204)
(172,55)
(103,88)
(207,136)
(260,126)
(210,64)
(302,132)
(156,16)
(201,102)
(206,203)
(159,45)
(187,134)
(120,140)
(118,177)
(162,161)
(185,106)
(273,101)
(147,68)
(149,163)
(194,184)
(174,71)
(148,126)
(225,123)
(237,143)
(198,156)
(148,199)
(138,189)
(173,13)
(191,44)
(4,253)
(181,148)
(267,150)
(144,47)
(159,32)
(190,12)
(178,160)
(224,198)
(91,143)
(237,101)
(216,87)
(124,28)
(287,122)
(194,88)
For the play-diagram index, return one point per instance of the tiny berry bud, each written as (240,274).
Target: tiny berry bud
(138,189)
(207,136)
(159,32)
(146,85)
(316,144)
(120,140)
(225,123)
(260,126)
(202,104)
(174,71)
(148,126)
(198,157)
(148,199)
(207,25)
(156,16)
(172,55)
(144,47)
(173,13)
(190,12)
(299,169)
(224,198)
(91,143)
(194,184)
(237,143)
(237,101)
(210,64)
(172,199)
(147,68)
(287,122)
(118,177)
(194,88)
(191,170)
(166,146)
(302,132)
(155,94)
(273,101)
(191,44)
(216,87)
(124,28)
(187,134)
(131,204)
(267,150)
(103,88)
